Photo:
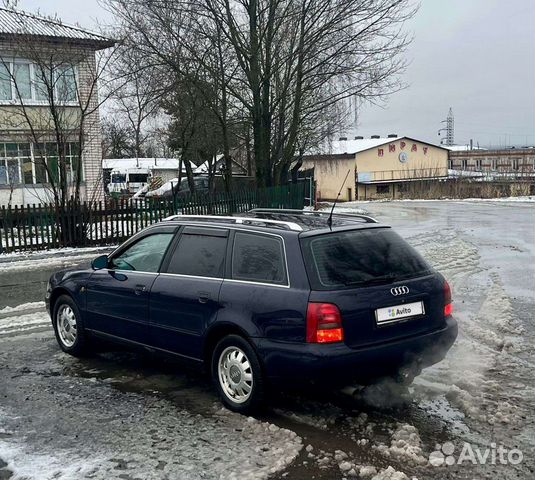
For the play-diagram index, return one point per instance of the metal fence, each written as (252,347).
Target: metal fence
(39,227)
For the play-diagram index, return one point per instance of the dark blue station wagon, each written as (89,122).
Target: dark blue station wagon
(269,298)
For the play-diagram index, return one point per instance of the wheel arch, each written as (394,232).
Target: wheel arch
(56,293)
(215,334)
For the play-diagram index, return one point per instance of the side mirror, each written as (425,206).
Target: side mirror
(100,262)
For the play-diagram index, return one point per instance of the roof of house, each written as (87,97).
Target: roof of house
(203,167)
(340,147)
(15,22)
(123,164)
(144,163)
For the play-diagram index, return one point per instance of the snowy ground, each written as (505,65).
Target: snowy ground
(120,415)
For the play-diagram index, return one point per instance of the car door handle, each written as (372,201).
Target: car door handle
(204,297)
(140,289)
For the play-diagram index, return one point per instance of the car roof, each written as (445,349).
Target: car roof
(303,222)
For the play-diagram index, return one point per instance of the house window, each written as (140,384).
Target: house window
(22,83)
(32,83)
(9,164)
(382,189)
(42,76)
(22,163)
(66,84)
(12,163)
(5,81)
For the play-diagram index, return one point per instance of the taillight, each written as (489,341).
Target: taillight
(324,323)
(448,305)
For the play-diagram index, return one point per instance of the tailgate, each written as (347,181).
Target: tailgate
(419,308)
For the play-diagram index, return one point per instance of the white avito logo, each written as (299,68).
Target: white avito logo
(443,455)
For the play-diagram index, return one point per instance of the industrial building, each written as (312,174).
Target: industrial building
(379,167)
(509,160)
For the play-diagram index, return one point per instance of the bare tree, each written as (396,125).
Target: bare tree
(301,57)
(284,67)
(178,38)
(135,90)
(116,139)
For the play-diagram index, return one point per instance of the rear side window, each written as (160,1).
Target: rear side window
(199,255)
(360,258)
(258,258)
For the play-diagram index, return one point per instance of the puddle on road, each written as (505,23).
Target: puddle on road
(144,373)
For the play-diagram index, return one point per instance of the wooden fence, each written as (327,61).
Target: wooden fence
(39,227)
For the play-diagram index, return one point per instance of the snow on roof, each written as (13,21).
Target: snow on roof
(144,163)
(352,146)
(203,167)
(358,145)
(15,22)
(461,148)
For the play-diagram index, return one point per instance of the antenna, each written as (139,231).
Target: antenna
(330,219)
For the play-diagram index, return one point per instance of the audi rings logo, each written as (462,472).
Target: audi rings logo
(399,291)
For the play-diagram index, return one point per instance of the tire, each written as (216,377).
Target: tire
(69,327)
(237,375)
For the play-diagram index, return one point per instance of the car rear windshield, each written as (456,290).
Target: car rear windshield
(360,258)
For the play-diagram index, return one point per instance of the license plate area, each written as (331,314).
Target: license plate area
(399,313)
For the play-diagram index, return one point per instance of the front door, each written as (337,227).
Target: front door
(118,296)
(185,296)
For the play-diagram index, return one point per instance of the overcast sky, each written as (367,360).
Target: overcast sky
(476,56)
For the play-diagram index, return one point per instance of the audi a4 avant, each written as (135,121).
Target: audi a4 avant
(269,298)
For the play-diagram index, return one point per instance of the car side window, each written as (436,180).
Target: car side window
(258,258)
(145,255)
(200,254)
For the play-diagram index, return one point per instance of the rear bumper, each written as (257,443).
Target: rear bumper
(338,364)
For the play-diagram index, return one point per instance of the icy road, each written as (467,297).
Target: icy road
(126,416)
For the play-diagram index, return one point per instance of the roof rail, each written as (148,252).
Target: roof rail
(348,216)
(239,221)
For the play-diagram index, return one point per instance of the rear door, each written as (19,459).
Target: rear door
(382,286)
(118,296)
(185,296)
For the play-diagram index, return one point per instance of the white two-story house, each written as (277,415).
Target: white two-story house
(50,144)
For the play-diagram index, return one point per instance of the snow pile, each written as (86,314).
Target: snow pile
(22,323)
(524,198)
(367,471)
(24,306)
(362,426)
(390,474)
(309,415)
(352,206)
(52,262)
(316,421)
(149,441)
(39,255)
(496,311)
(405,445)
(275,448)
(345,462)
(165,189)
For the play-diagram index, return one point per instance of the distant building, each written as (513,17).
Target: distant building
(28,142)
(510,160)
(379,167)
(164,168)
(131,174)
